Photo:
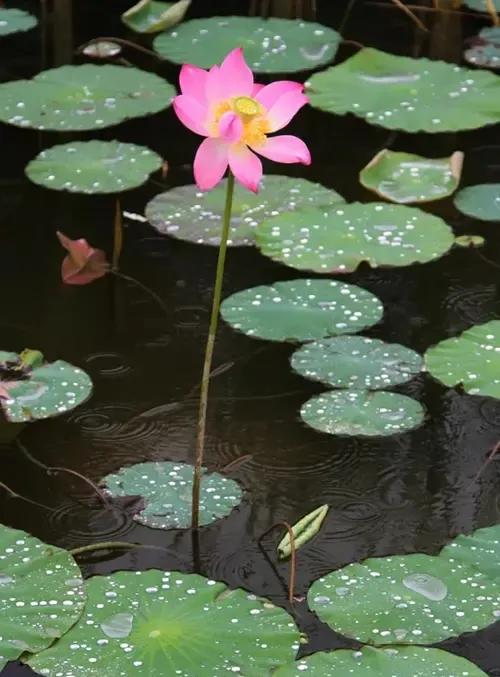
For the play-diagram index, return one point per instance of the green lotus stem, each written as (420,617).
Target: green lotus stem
(117,238)
(113,545)
(490,6)
(209,353)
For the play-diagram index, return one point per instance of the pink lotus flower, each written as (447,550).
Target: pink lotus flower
(83,264)
(236,115)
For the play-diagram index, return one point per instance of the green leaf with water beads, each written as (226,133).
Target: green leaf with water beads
(15,21)
(303,530)
(481,202)
(403,661)
(398,92)
(41,594)
(93,166)
(83,97)
(270,45)
(162,623)
(302,310)
(415,599)
(166,488)
(189,214)
(356,362)
(406,178)
(481,5)
(338,239)
(487,50)
(150,16)
(362,413)
(471,359)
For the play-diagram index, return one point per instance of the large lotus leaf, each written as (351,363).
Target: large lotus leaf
(471,359)
(398,92)
(406,178)
(481,201)
(400,661)
(338,239)
(481,5)
(486,50)
(93,166)
(362,412)
(161,623)
(189,214)
(41,594)
(83,97)
(150,16)
(302,310)
(356,362)
(414,599)
(166,488)
(270,45)
(15,21)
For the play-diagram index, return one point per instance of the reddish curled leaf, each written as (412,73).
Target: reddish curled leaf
(83,264)
(4,392)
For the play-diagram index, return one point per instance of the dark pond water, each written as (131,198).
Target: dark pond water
(401,494)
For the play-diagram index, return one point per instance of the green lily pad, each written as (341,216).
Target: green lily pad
(481,5)
(160,623)
(15,21)
(302,310)
(356,362)
(398,92)
(403,661)
(487,50)
(338,239)
(93,166)
(83,97)
(189,214)
(405,178)
(30,391)
(167,487)
(471,359)
(150,16)
(41,594)
(481,201)
(270,45)
(469,241)
(363,413)
(414,599)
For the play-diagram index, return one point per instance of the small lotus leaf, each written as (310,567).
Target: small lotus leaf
(406,178)
(481,202)
(93,166)
(189,214)
(161,623)
(338,239)
(361,412)
(83,97)
(270,45)
(302,310)
(150,16)
(356,362)
(415,599)
(486,51)
(103,49)
(400,661)
(15,21)
(469,241)
(41,594)
(167,487)
(398,92)
(481,5)
(471,359)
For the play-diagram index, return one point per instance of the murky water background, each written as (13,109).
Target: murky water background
(401,494)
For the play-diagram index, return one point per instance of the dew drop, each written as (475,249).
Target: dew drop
(429,586)
(118,626)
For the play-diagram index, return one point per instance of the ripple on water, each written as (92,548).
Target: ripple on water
(82,523)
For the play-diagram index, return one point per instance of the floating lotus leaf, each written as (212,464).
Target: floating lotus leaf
(471,359)
(270,45)
(302,310)
(160,623)
(93,166)
(167,488)
(400,661)
(356,362)
(338,239)
(398,92)
(361,412)
(189,214)
(486,51)
(481,5)
(41,594)
(83,97)
(103,49)
(150,16)
(405,178)
(481,202)
(469,241)
(31,389)
(415,599)
(15,21)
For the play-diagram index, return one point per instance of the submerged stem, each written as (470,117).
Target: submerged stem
(154,295)
(112,545)
(117,238)
(293,557)
(209,353)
